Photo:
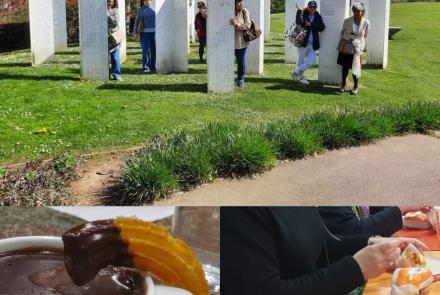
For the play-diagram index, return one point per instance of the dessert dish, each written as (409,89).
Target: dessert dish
(411,281)
(416,220)
(133,243)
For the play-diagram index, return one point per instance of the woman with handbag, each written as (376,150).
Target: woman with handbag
(311,20)
(242,22)
(145,29)
(351,46)
(113,45)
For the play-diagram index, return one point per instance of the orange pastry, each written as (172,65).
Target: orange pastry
(411,281)
(131,242)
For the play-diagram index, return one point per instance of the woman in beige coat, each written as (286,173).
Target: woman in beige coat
(242,22)
(353,36)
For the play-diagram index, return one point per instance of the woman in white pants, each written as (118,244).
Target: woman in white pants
(310,19)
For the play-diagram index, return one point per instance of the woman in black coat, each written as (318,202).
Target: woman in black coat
(310,19)
(288,250)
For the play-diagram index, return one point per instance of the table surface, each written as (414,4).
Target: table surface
(427,236)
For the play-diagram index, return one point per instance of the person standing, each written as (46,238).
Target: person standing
(200,26)
(113,26)
(310,19)
(352,45)
(241,21)
(145,28)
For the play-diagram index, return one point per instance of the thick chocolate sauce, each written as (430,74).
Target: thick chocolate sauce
(92,246)
(43,273)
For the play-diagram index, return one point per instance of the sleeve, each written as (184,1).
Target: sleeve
(318,26)
(113,18)
(136,22)
(343,28)
(346,245)
(299,20)
(367,29)
(247,21)
(250,264)
(383,221)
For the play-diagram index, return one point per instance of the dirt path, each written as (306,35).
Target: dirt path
(97,173)
(398,170)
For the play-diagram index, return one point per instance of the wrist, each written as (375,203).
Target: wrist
(374,240)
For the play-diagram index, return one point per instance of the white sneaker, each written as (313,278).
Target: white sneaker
(295,75)
(303,81)
(147,70)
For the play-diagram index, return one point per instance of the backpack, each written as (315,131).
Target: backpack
(296,34)
(254,32)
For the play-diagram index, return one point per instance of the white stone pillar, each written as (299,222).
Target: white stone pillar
(255,51)
(333,13)
(220,41)
(93,38)
(377,41)
(191,18)
(41,22)
(60,26)
(123,25)
(266,20)
(172,36)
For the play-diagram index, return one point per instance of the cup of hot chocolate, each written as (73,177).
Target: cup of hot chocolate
(36,265)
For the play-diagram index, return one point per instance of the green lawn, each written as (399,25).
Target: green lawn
(85,116)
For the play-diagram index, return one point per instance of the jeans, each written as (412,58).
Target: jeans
(148,43)
(115,57)
(240,55)
(202,45)
(306,58)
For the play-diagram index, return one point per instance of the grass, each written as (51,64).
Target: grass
(86,116)
(190,158)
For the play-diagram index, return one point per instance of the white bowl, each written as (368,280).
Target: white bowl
(56,244)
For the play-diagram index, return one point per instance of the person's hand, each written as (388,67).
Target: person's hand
(308,24)
(233,21)
(138,36)
(297,6)
(404,242)
(376,259)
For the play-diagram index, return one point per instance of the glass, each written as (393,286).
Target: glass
(200,228)
(436,211)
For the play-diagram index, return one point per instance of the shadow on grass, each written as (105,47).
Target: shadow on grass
(65,62)
(288,84)
(38,78)
(274,61)
(67,53)
(189,87)
(16,65)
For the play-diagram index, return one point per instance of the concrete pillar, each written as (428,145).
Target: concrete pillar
(93,38)
(60,27)
(333,12)
(41,22)
(266,27)
(255,51)
(220,41)
(191,18)
(377,42)
(172,36)
(123,25)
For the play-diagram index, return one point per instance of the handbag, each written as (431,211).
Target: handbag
(117,37)
(254,32)
(346,46)
(296,35)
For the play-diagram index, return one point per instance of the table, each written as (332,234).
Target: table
(427,236)
(382,284)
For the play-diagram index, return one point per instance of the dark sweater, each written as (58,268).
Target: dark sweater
(317,26)
(383,221)
(280,251)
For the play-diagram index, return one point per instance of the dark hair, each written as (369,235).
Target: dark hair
(238,1)
(115,4)
(141,2)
